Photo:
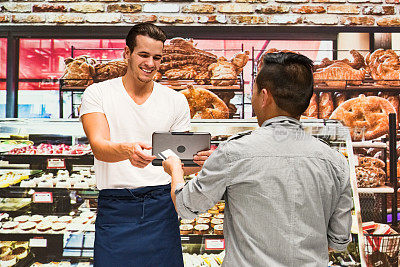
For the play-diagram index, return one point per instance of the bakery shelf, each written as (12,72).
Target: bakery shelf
(41,161)
(377,190)
(369,144)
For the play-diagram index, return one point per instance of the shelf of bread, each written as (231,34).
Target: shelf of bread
(51,224)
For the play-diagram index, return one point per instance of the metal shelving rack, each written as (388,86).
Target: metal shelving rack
(174,84)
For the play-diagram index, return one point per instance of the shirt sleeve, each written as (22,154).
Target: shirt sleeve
(182,120)
(91,101)
(340,222)
(206,189)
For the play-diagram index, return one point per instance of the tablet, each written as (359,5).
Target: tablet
(184,144)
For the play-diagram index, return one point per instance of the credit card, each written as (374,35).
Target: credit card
(167,153)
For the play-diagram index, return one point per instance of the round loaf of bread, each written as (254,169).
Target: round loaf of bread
(366,117)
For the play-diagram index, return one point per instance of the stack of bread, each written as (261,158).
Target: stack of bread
(182,60)
(84,70)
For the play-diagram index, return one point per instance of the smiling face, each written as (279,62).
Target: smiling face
(145,59)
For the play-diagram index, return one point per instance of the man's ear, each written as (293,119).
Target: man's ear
(266,97)
(127,52)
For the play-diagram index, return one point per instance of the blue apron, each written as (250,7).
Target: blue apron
(137,227)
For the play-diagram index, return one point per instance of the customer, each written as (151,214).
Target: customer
(288,195)
(136,223)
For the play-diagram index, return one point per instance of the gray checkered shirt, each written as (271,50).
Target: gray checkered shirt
(288,196)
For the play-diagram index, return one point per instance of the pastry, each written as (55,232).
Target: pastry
(44,226)
(370,177)
(201,229)
(79,71)
(219,216)
(371,162)
(312,110)
(22,218)
(10,225)
(205,104)
(366,117)
(36,218)
(219,229)
(58,227)
(202,221)
(24,244)
(205,215)
(27,226)
(186,221)
(20,252)
(325,105)
(4,251)
(216,221)
(186,229)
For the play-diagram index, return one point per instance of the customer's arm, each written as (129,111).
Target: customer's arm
(97,130)
(203,191)
(339,229)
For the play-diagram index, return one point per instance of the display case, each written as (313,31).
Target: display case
(58,220)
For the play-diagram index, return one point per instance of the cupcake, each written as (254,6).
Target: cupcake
(213,210)
(201,229)
(186,229)
(205,215)
(221,206)
(216,221)
(186,221)
(219,229)
(203,221)
(63,172)
(219,216)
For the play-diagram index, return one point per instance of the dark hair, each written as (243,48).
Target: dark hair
(289,78)
(146,29)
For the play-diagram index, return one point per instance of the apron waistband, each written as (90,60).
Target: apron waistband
(137,193)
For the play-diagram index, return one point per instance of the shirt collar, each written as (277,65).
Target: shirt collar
(281,120)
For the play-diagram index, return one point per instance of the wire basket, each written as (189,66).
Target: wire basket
(382,250)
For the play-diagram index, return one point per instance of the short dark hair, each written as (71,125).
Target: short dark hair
(146,29)
(289,78)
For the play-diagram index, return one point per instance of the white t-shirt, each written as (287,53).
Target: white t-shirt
(164,110)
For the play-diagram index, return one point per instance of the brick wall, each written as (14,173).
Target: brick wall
(201,12)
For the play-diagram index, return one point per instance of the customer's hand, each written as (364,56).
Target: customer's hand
(202,156)
(173,165)
(137,157)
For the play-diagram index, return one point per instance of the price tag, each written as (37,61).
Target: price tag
(38,242)
(42,197)
(214,244)
(55,164)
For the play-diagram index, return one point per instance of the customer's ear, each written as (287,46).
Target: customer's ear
(267,98)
